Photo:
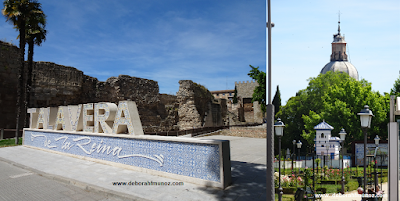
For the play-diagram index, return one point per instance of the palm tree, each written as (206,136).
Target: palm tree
(35,34)
(17,12)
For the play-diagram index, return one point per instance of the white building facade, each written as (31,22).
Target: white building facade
(325,144)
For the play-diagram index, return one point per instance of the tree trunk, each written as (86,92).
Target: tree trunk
(29,77)
(21,72)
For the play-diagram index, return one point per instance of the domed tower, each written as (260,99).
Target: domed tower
(339,62)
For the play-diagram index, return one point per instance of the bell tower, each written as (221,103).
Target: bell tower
(338,46)
(339,59)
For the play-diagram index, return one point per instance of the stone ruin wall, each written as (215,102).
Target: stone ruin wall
(8,84)
(55,85)
(197,107)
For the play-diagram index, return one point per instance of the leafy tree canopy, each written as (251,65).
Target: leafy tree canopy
(396,88)
(259,92)
(335,98)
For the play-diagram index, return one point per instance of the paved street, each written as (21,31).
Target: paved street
(22,184)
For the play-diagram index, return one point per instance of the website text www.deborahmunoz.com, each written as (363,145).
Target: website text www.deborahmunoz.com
(147,183)
(349,195)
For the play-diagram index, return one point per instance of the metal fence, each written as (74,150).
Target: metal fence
(8,133)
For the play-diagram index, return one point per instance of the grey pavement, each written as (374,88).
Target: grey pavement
(36,170)
(244,149)
(22,184)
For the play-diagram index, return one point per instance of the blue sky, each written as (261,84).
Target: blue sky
(207,41)
(214,42)
(303,33)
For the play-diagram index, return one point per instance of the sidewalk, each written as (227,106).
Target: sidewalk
(248,174)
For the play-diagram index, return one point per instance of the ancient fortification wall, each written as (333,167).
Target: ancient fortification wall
(8,84)
(56,85)
(197,107)
(248,111)
(245,89)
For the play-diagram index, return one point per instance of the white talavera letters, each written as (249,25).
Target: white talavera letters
(91,117)
(34,117)
(104,114)
(62,119)
(75,113)
(88,117)
(46,118)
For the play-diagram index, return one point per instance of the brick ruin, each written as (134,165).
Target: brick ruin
(56,85)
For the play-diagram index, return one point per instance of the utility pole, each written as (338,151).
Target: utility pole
(393,149)
(270,120)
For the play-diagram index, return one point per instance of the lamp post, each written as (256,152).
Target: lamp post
(293,155)
(299,147)
(382,159)
(376,150)
(279,125)
(327,156)
(342,138)
(365,118)
(313,169)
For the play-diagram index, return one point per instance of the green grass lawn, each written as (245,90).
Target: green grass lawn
(285,197)
(10,142)
(351,181)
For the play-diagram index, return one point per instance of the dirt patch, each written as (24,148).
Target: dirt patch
(245,132)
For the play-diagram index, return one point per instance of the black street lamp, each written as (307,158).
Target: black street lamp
(279,125)
(327,155)
(293,155)
(376,151)
(382,159)
(365,118)
(313,169)
(299,147)
(342,138)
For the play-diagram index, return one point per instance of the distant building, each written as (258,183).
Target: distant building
(224,94)
(249,111)
(339,59)
(245,109)
(325,144)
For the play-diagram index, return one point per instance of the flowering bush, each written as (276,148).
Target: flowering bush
(287,181)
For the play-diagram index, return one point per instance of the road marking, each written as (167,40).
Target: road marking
(21,175)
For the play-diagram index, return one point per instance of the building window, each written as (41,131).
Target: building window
(322,145)
(322,135)
(230,94)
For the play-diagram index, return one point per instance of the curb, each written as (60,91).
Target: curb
(87,187)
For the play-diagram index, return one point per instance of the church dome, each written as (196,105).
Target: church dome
(341,66)
(339,61)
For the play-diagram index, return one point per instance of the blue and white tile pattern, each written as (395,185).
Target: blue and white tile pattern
(188,159)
